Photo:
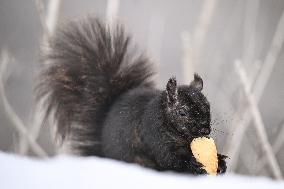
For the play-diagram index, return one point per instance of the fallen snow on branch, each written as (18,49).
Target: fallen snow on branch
(92,172)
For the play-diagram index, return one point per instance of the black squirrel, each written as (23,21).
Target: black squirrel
(104,101)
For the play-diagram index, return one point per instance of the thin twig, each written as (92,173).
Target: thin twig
(112,11)
(10,113)
(270,60)
(48,19)
(279,140)
(193,43)
(201,29)
(155,35)
(23,143)
(52,15)
(41,12)
(276,148)
(48,23)
(250,21)
(248,56)
(187,61)
(258,123)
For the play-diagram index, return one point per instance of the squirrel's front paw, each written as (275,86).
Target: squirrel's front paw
(199,170)
(222,165)
(188,162)
(196,167)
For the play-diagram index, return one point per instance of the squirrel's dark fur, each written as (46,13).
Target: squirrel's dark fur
(105,104)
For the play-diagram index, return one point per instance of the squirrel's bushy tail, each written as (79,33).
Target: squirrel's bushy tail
(86,68)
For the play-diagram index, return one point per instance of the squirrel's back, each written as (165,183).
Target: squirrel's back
(86,68)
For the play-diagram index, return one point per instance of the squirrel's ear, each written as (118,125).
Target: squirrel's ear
(197,82)
(172,91)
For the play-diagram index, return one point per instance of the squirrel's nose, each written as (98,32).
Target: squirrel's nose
(205,131)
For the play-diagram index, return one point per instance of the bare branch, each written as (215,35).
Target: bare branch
(10,113)
(276,148)
(279,140)
(112,10)
(248,56)
(270,59)
(48,22)
(155,35)
(233,146)
(192,43)
(249,31)
(258,123)
(187,61)
(41,12)
(201,29)
(52,15)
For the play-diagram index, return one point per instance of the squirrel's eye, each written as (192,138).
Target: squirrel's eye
(182,112)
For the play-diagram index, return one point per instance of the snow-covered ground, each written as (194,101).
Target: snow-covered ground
(74,172)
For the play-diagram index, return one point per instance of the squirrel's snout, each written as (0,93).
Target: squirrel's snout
(205,131)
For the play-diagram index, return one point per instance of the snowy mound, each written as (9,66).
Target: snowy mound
(74,172)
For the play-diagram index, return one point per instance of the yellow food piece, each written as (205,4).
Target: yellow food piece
(205,152)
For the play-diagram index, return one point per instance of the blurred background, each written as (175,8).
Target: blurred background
(236,46)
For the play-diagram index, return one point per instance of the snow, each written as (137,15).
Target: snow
(92,172)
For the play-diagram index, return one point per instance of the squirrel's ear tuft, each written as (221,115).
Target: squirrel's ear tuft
(197,82)
(172,91)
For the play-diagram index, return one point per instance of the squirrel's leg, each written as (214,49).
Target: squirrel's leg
(145,162)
